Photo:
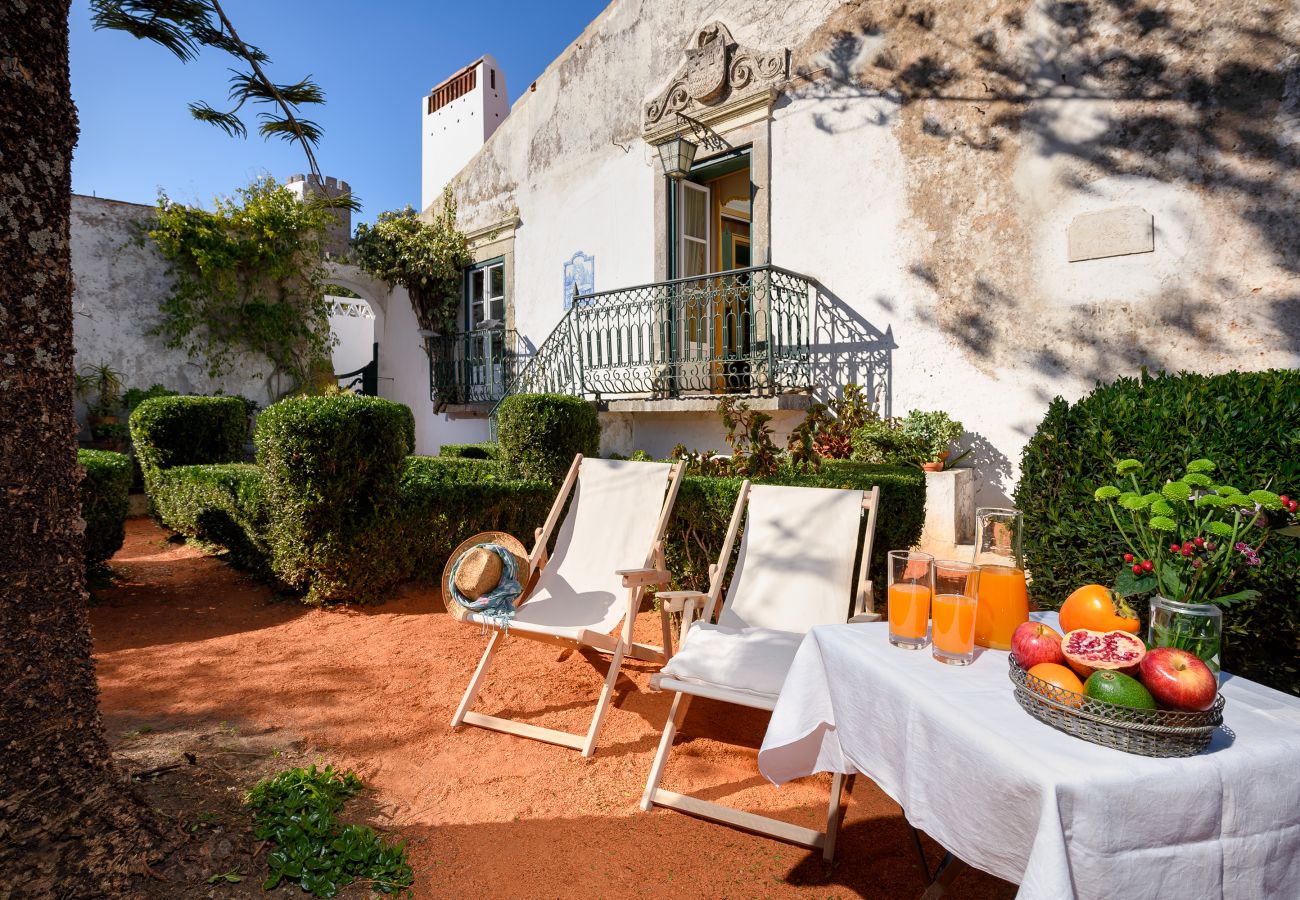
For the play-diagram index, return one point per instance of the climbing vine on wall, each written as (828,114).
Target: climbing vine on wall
(426,258)
(249,279)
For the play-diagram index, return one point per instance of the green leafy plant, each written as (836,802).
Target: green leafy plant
(1247,422)
(883,442)
(104,496)
(933,432)
(249,280)
(103,383)
(135,396)
(752,452)
(485,450)
(297,811)
(181,431)
(426,258)
(1191,538)
(540,434)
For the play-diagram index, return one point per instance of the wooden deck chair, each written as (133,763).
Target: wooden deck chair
(795,570)
(611,543)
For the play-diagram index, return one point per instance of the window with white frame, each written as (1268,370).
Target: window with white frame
(485,295)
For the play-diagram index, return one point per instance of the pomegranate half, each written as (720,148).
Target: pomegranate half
(1087,651)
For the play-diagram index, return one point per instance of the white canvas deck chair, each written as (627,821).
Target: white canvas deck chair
(609,549)
(795,570)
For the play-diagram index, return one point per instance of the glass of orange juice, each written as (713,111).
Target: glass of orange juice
(952,634)
(1003,597)
(911,583)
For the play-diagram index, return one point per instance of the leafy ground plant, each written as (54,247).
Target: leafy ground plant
(297,810)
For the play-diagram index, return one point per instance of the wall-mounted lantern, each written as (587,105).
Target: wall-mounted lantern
(676,155)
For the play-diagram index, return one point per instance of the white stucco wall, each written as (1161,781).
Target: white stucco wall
(119,284)
(911,178)
(354,337)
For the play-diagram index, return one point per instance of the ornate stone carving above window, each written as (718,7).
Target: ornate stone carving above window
(717,72)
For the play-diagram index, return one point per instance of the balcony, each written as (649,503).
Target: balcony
(745,331)
(470,368)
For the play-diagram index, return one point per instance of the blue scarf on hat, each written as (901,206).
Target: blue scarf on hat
(497,605)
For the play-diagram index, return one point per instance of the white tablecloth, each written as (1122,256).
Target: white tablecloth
(1017,798)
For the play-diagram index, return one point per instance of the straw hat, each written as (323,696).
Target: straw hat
(480,570)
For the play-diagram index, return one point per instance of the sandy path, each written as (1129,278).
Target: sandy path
(184,636)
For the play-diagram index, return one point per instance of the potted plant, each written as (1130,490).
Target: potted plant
(934,433)
(1188,541)
(103,383)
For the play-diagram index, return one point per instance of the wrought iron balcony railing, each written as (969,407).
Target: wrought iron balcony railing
(746,331)
(471,366)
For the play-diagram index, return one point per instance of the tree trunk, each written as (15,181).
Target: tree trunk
(70,824)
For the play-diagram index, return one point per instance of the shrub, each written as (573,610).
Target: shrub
(183,431)
(330,468)
(884,442)
(486,450)
(541,433)
(1245,421)
(104,490)
(217,504)
(442,505)
(704,507)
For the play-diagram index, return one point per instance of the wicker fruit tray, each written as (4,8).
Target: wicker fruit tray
(1147,732)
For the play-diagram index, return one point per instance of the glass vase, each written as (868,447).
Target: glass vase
(1003,596)
(1194,627)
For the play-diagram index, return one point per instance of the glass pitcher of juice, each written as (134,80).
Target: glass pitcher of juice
(1003,601)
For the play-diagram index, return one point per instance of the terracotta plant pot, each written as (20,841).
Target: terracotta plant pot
(936,465)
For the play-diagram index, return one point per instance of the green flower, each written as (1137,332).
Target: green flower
(1266,499)
(1133,502)
(1161,508)
(1125,466)
(1106,492)
(1196,479)
(1176,490)
(1163,523)
(1222,529)
(1200,465)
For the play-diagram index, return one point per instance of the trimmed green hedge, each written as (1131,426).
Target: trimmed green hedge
(1247,422)
(330,469)
(104,499)
(541,433)
(704,507)
(184,431)
(485,450)
(219,504)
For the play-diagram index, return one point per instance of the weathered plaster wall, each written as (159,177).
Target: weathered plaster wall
(119,285)
(927,160)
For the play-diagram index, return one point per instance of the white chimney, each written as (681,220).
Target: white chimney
(457,116)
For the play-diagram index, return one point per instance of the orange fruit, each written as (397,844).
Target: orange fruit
(1097,608)
(1060,677)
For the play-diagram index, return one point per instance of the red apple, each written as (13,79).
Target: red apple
(1034,643)
(1178,679)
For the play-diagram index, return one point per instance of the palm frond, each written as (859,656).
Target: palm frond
(245,87)
(274,125)
(169,23)
(228,122)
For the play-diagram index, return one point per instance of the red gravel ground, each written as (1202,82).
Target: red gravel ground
(184,638)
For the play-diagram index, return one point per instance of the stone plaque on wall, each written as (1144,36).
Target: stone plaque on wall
(1111,232)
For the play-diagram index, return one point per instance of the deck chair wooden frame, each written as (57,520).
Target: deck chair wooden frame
(688,602)
(652,573)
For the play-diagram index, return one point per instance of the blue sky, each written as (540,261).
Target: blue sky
(374,59)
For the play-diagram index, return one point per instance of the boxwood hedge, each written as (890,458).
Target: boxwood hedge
(1247,422)
(485,450)
(330,471)
(540,433)
(336,509)
(184,431)
(104,490)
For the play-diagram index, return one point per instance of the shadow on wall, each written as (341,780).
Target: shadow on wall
(847,349)
(992,470)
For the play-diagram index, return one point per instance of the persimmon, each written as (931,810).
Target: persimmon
(1098,608)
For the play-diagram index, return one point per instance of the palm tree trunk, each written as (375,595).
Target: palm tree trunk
(70,824)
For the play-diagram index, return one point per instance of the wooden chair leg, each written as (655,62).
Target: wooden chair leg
(475,683)
(833,816)
(675,716)
(606,697)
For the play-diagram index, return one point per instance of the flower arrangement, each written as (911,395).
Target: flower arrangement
(1191,539)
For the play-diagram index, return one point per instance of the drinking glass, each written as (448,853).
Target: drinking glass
(911,583)
(1003,601)
(953,609)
